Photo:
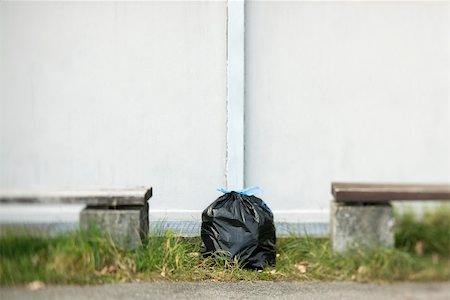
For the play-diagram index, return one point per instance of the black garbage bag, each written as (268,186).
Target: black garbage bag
(240,225)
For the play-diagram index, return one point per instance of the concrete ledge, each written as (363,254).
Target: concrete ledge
(121,213)
(361,226)
(283,229)
(102,197)
(127,227)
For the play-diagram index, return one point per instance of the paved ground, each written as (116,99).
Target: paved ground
(240,290)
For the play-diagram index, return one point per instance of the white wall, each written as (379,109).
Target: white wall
(345,91)
(128,93)
(115,94)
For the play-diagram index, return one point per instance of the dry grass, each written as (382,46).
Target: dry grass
(422,253)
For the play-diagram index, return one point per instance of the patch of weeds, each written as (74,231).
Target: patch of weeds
(429,235)
(167,255)
(80,257)
(90,257)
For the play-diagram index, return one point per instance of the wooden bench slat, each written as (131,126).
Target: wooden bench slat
(372,193)
(100,197)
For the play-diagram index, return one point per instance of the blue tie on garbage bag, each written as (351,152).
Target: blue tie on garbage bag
(240,225)
(250,191)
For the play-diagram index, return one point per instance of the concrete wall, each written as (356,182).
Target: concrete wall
(339,91)
(125,94)
(115,94)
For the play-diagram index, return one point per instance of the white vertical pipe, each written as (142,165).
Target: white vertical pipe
(236,93)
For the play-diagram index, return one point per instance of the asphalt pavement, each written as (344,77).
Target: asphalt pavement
(237,290)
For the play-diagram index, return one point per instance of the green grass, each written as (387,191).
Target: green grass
(422,253)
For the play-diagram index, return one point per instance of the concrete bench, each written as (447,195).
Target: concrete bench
(122,213)
(362,215)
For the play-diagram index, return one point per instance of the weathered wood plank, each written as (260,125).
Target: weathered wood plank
(373,193)
(101,197)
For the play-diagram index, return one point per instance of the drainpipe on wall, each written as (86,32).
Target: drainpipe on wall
(235,94)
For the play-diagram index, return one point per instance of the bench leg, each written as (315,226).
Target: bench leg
(361,226)
(126,226)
